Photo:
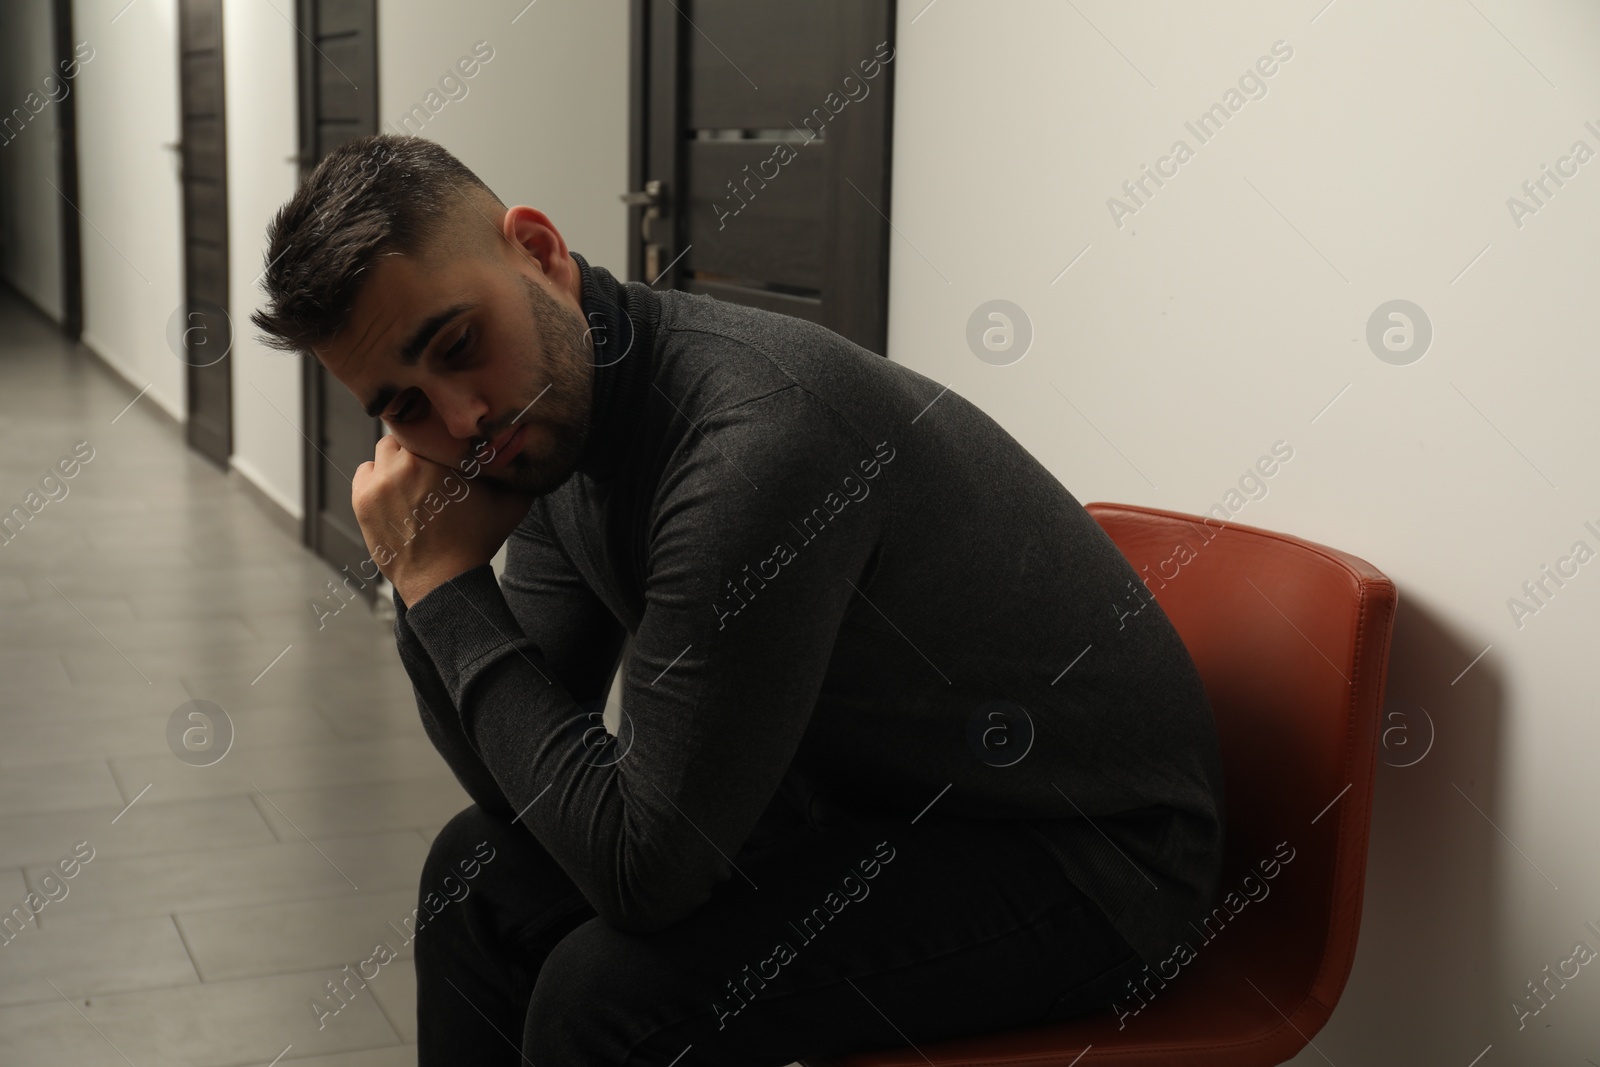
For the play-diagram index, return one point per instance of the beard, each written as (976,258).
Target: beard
(558,412)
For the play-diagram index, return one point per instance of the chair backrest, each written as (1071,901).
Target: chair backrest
(1292,641)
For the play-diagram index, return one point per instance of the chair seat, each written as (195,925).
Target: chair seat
(1226,1006)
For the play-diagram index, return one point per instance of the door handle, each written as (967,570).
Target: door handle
(651,231)
(651,198)
(654,201)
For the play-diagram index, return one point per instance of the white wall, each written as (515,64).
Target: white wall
(31,89)
(263,132)
(544,122)
(1230,312)
(129,193)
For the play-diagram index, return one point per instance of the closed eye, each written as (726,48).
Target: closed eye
(447,358)
(460,345)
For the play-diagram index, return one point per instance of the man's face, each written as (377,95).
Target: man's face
(452,354)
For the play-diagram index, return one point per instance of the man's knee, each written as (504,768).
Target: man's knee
(597,985)
(605,996)
(472,834)
(470,840)
(490,872)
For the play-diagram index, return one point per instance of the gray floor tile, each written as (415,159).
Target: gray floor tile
(13,895)
(144,733)
(394,1056)
(238,876)
(337,810)
(13,590)
(81,959)
(276,938)
(57,786)
(51,619)
(251,1020)
(174,604)
(398,715)
(217,634)
(276,769)
(149,827)
(33,669)
(168,571)
(37,696)
(396,990)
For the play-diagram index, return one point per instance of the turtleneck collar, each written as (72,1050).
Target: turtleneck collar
(622,318)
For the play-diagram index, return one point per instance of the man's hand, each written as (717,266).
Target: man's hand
(425,523)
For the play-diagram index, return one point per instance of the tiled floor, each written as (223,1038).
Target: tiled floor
(220,899)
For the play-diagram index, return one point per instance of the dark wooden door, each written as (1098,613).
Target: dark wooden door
(203,335)
(338,70)
(67,178)
(765,128)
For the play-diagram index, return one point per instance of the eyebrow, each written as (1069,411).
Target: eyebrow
(411,352)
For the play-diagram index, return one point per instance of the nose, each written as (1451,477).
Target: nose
(462,410)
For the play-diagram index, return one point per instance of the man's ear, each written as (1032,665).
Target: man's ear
(531,234)
(521,232)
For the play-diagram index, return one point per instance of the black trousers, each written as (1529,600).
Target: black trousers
(837,933)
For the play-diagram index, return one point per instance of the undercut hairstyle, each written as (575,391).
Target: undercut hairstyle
(372,196)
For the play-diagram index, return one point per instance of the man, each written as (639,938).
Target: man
(895,761)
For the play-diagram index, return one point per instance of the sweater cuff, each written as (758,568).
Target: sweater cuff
(466,625)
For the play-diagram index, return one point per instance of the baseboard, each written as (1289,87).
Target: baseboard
(279,515)
(52,317)
(87,343)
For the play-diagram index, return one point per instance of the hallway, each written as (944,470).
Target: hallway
(210,904)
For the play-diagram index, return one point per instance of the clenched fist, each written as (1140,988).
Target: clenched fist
(424,523)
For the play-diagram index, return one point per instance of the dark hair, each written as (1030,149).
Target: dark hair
(370,196)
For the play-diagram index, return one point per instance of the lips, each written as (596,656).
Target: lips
(502,446)
(499,443)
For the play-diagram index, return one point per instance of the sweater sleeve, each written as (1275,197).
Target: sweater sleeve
(558,611)
(440,721)
(743,604)
(549,600)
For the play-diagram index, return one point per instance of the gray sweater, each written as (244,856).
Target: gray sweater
(846,586)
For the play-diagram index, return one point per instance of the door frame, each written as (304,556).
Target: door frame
(67,178)
(313,407)
(310,396)
(214,442)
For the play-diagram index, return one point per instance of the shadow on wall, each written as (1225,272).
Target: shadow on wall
(1433,870)
(13,124)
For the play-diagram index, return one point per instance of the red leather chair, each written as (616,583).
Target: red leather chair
(1292,639)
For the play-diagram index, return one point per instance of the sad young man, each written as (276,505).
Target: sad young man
(892,765)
